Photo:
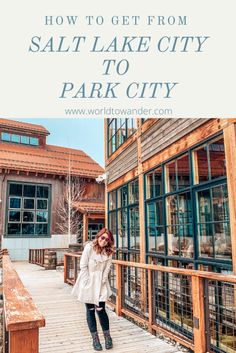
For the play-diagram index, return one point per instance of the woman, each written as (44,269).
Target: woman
(92,286)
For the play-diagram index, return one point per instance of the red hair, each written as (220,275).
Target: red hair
(109,247)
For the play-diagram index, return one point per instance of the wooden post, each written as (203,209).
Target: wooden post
(150,301)
(65,268)
(26,341)
(230,155)
(22,318)
(105,158)
(198,315)
(85,227)
(119,289)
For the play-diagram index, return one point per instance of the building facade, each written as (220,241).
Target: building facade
(34,179)
(171,191)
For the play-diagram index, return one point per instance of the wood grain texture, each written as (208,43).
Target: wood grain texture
(20,311)
(230,154)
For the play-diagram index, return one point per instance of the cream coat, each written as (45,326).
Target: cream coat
(92,284)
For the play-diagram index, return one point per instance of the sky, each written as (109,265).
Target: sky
(85,134)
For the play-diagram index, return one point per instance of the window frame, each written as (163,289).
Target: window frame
(22,210)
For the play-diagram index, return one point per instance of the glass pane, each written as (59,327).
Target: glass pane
(201,172)
(34,141)
(220,203)
(15,190)
(42,204)
(133,192)
(25,140)
(122,197)
(134,227)
(186,241)
(131,123)
(111,128)
(6,136)
(42,217)
(28,229)
(112,200)
(29,190)
(15,202)
(28,217)
(160,245)
(42,191)
(173,240)
(113,143)
(183,172)
(205,232)
(13,228)
(184,208)
(222,241)
(217,159)
(14,216)
(158,190)
(171,177)
(122,229)
(204,206)
(41,229)
(172,210)
(15,138)
(149,185)
(29,204)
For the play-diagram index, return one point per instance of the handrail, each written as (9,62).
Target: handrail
(203,274)
(37,256)
(195,308)
(22,317)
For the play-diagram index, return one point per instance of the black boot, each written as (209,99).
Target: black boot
(108,339)
(96,342)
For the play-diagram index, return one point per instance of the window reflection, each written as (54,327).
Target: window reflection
(213,222)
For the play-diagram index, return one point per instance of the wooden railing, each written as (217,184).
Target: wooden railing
(37,256)
(71,267)
(194,308)
(22,318)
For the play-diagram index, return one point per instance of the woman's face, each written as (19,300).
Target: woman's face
(103,240)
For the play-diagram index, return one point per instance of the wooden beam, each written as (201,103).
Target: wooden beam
(199,331)
(119,290)
(26,341)
(230,155)
(105,158)
(85,227)
(96,216)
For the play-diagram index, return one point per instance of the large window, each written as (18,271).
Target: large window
(213,222)
(118,131)
(123,216)
(187,215)
(27,209)
(23,139)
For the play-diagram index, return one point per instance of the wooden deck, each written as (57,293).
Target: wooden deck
(66,329)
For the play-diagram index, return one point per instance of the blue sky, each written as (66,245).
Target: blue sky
(83,134)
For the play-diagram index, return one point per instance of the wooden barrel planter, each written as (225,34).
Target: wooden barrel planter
(50,260)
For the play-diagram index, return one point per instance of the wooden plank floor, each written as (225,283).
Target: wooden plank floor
(66,329)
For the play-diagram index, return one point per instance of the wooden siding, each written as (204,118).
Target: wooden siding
(125,162)
(164,133)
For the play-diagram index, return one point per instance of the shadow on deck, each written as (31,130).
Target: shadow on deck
(66,328)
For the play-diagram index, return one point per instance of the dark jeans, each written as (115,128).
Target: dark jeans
(91,319)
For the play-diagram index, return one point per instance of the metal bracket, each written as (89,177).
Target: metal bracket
(195,322)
